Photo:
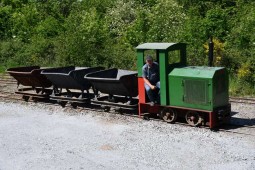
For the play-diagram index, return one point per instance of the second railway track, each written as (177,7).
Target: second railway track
(244,100)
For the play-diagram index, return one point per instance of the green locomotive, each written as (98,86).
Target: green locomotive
(199,94)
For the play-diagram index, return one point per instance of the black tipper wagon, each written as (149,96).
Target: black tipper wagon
(69,84)
(33,83)
(119,88)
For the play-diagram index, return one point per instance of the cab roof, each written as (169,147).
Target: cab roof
(158,46)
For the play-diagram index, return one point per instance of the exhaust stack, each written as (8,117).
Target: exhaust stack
(210,53)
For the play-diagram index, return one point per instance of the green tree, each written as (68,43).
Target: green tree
(82,42)
(166,21)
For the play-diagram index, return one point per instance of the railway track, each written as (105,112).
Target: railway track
(9,95)
(229,128)
(244,100)
(6,80)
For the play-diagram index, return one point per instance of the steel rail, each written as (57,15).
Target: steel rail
(7,95)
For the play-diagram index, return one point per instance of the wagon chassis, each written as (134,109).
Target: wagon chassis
(37,92)
(117,102)
(75,97)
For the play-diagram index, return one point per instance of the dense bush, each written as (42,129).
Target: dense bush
(106,32)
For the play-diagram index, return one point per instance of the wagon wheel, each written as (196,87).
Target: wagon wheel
(74,105)
(56,91)
(106,108)
(62,103)
(26,98)
(168,115)
(193,118)
(37,91)
(35,99)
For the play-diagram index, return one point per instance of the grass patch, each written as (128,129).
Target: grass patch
(2,69)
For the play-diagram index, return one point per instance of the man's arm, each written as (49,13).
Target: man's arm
(144,74)
(148,83)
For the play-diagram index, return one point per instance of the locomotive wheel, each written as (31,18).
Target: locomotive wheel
(168,115)
(193,118)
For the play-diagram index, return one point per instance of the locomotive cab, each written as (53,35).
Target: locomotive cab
(163,54)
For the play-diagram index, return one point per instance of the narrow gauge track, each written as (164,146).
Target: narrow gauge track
(6,80)
(229,128)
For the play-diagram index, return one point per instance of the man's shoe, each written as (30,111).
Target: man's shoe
(152,103)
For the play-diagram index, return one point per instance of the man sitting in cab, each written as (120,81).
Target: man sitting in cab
(151,80)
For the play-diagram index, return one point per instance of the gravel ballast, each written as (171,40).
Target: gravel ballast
(36,136)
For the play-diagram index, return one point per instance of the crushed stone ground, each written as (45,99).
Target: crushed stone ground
(36,136)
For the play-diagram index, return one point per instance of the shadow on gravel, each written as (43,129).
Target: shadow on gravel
(236,123)
(233,113)
(242,122)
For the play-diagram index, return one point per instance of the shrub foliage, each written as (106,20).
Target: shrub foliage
(106,32)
